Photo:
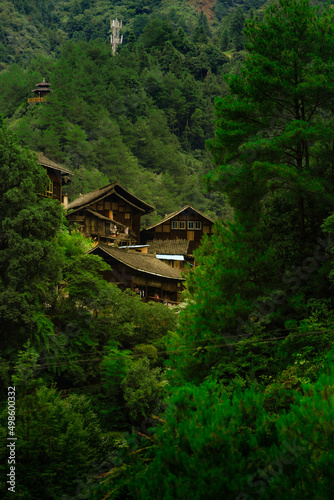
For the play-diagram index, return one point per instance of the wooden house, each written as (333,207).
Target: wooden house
(141,272)
(59,176)
(110,214)
(187,224)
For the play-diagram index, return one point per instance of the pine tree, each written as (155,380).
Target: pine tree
(277,119)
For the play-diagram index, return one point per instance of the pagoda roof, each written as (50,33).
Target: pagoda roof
(42,86)
(85,200)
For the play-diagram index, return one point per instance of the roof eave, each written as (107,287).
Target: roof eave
(136,268)
(177,212)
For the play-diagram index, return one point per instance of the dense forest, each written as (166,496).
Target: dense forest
(226,105)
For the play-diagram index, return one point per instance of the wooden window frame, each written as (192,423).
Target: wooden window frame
(191,225)
(199,223)
(184,224)
(49,189)
(174,224)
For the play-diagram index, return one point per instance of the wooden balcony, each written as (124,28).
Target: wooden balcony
(36,99)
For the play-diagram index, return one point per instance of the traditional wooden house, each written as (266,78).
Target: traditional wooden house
(41,92)
(141,272)
(110,214)
(187,224)
(59,176)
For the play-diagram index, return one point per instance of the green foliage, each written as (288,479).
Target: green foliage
(142,388)
(206,434)
(210,442)
(58,440)
(272,136)
(250,353)
(237,25)
(217,312)
(29,259)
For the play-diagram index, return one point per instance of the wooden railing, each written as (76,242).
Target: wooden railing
(36,99)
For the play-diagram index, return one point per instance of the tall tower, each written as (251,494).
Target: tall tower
(115,38)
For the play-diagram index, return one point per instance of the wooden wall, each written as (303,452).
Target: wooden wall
(166,231)
(55,177)
(120,211)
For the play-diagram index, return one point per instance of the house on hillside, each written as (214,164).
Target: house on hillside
(59,176)
(141,272)
(110,214)
(177,235)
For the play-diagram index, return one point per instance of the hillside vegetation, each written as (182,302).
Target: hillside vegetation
(141,117)
(230,394)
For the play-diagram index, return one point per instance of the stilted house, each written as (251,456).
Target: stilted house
(41,92)
(177,235)
(110,214)
(141,272)
(59,176)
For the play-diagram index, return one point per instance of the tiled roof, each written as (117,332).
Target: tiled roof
(140,262)
(169,247)
(173,214)
(99,194)
(45,162)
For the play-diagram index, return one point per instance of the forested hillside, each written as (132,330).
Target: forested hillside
(141,117)
(228,106)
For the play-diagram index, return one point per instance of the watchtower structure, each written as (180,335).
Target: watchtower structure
(116,38)
(41,92)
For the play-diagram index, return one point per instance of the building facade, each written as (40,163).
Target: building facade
(110,214)
(177,235)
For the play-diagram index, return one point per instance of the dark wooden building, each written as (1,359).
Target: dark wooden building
(110,214)
(59,176)
(185,224)
(141,272)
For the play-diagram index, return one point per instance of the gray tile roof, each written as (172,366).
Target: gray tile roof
(168,247)
(145,263)
(45,162)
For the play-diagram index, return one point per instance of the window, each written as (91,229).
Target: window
(174,224)
(182,224)
(127,215)
(49,190)
(198,225)
(190,225)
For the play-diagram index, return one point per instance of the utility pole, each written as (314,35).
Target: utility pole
(115,38)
